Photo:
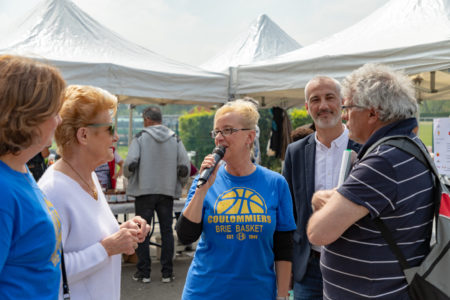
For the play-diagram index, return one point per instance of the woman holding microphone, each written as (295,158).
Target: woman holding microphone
(243,213)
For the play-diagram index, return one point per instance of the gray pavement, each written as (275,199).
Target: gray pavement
(156,290)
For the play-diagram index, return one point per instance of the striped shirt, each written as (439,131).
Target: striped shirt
(397,187)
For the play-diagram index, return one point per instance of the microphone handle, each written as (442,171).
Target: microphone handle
(204,176)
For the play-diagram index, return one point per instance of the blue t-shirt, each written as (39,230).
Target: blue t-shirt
(234,257)
(30,239)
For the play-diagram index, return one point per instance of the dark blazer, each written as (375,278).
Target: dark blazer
(299,172)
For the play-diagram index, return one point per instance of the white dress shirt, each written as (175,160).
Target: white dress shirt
(328,164)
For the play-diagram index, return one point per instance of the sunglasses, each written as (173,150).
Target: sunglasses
(111,127)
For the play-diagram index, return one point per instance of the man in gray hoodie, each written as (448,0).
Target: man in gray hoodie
(157,166)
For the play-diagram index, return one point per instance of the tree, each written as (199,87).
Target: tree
(194,132)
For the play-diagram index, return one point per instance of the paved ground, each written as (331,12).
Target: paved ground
(132,290)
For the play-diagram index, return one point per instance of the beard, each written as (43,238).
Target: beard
(330,121)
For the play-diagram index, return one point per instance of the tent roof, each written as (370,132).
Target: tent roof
(413,35)
(263,39)
(60,33)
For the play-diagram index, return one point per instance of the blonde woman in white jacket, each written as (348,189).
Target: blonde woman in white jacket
(92,239)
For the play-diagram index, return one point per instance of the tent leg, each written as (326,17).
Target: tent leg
(130,125)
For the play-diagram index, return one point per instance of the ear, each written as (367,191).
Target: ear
(251,136)
(82,134)
(373,115)
(306,106)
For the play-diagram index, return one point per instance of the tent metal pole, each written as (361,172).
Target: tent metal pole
(433,81)
(130,125)
(116,121)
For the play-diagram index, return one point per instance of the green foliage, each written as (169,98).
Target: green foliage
(299,117)
(426,133)
(194,131)
(435,108)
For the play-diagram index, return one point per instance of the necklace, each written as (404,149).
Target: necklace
(94,192)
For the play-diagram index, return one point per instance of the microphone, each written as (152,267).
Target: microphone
(218,154)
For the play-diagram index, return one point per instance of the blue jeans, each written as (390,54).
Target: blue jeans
(163,205)
(311,286)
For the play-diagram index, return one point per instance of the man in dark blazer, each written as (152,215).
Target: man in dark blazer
(311,164)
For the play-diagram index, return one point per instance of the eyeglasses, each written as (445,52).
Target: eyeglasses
(346,108)
(111,127)
(226,131)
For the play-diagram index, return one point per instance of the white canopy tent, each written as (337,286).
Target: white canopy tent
(59,33)
(413,35)
(264,39)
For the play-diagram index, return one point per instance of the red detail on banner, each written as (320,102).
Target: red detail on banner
(444,209)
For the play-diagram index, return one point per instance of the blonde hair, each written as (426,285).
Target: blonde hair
(30,93)
(246,110)
(81,105)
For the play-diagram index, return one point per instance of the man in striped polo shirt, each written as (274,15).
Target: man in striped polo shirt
(356,262)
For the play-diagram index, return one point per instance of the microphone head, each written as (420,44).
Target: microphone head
(219,150)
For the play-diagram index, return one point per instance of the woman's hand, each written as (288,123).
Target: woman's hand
(118,174)
(139,224)
(123,241)
(207,163)
(193,211)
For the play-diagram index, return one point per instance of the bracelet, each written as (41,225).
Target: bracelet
(283,298)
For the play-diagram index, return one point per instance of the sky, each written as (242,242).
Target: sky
(193,31)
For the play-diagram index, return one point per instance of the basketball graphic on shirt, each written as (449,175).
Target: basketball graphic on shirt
(240,201)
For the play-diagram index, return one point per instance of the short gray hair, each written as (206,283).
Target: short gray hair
(320,78)
(153,113)
(388,91)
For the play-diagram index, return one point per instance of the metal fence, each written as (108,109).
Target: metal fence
(170,121)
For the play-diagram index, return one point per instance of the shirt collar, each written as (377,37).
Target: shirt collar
(337,142)
(402,127)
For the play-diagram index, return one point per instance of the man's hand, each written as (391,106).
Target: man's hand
(320,198)
(337,214)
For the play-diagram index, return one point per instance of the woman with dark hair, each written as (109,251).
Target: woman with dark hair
(30,231)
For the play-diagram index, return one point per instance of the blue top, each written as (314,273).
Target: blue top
(30,238)
(398,188)
(234,257)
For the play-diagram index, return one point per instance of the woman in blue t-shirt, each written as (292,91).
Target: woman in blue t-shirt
(30,98)
(243,214)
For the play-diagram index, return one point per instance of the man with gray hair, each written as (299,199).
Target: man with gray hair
(156,165)
(385,183)
(313,164)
